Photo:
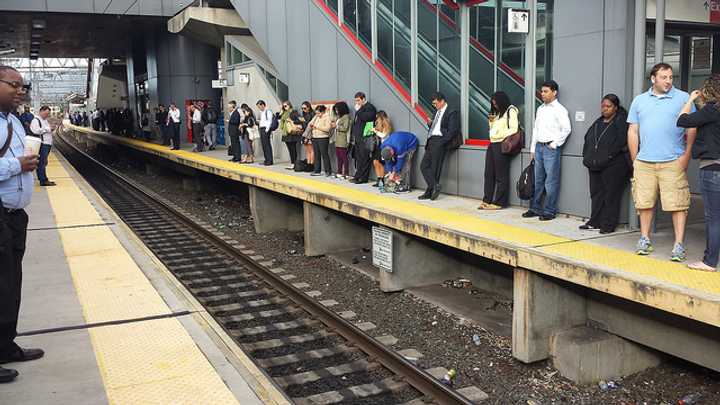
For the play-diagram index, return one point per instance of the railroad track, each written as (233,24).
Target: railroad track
(312,353)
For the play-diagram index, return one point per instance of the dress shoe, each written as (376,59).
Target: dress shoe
(20,354)
(7,374)
(316,174)
(606,231)
(435,193)
(587,227)
(425,196)
(47,183)
(547,217)
(530,214)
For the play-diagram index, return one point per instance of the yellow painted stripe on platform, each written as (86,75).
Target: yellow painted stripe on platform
(663,270)
(149,362)
(82,212)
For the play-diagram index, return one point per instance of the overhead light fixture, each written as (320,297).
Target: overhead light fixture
(38,24)
(7,51)
(35,43)
(34,50)
(35,35)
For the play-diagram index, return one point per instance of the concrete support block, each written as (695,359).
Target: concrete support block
(274,212)
(587,355)
(417,263)
(328,231)
(682,337)
(542,306)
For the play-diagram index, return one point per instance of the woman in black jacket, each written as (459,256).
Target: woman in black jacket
(707,149)
(605,154)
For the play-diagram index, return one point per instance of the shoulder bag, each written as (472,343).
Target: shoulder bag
(513,144)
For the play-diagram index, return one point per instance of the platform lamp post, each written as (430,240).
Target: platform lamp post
(638,80)
(530,68)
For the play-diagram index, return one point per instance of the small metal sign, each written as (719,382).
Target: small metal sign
(518,20)
(243,78)
(219,84)
(382,253)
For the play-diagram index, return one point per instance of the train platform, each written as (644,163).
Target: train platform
(115,327)
(604,267)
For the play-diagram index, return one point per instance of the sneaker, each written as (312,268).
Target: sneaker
(644,246)
(678,253)
(402,190)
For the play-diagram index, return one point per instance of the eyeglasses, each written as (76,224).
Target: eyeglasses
(17,85)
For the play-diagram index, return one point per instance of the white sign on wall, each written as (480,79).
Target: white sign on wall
(219,84)
(243,78)
(382,252)
(518,20)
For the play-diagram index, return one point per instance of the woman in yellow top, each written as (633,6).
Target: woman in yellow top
(503,123)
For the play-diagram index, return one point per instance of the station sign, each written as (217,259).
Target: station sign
(219,84)
(518,20)
(243,78)
(382,249)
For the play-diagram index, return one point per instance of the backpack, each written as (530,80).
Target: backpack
(526,182)
(456,142)
(212,116)
(274,123)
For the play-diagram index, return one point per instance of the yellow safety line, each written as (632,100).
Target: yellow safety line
(149,362)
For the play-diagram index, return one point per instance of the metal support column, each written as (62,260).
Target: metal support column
(374,29)
(413,52)
(639,79)
(341,12)
(659,31)
(530,67)
(465,70)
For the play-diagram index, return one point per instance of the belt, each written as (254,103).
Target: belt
(11,211)
(545,143)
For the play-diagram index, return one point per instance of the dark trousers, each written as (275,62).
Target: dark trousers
(363,159)
(266,145)
(432,162)
(164,134)
(606,192)
(321,151)
(234,133)
(198,137)
(13,231)
(175,127)
(42,164)
(710,189)
(497,176)
(343,165)
(292,147)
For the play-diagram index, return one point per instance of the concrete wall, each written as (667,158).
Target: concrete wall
(257,89)
(590,43)
(178,68)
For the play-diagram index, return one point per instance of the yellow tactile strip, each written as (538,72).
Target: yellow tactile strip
(511,244)
(148,362)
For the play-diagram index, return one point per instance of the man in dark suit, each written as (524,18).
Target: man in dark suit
(364,113)
(234,131)
(442,130)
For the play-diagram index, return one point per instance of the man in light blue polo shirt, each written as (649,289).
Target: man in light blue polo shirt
(660,154)
(16,187)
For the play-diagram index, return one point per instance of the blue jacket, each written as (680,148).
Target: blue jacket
(402,143)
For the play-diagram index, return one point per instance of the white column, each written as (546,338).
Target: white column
(373,28)
(659,31)
(341,12)
(530,69)
(638,78)
(413,52)
(465,69)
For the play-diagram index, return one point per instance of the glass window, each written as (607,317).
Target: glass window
(385,21)
(364,21)
(402,42)
(237,56)
(349,14)
(333,4)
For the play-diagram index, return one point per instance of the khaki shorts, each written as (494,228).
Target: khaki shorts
(668,177)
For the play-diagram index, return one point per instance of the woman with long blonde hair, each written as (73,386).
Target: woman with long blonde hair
(383,128)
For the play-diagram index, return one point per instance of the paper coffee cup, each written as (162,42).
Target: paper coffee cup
(32,145)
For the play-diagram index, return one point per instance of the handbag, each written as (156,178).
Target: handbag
(368,129)
(513,144)
(253,133)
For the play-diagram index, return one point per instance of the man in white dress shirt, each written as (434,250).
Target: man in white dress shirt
(265,124)
(40,128)
(551,129)
(173,123)
(197,129)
